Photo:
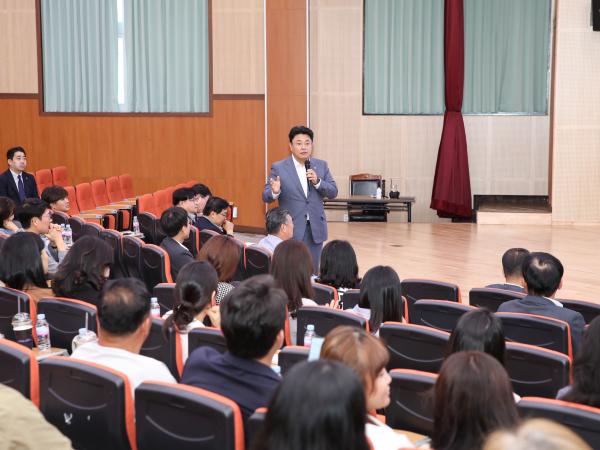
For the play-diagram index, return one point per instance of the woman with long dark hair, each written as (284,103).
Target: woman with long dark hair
(319,405)
(7,214)
(84,270)
(339,268)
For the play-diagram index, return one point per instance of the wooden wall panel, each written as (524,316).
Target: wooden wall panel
(224,151)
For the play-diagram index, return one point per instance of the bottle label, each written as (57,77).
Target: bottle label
(42,331)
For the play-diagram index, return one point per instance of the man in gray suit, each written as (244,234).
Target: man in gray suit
(300,183)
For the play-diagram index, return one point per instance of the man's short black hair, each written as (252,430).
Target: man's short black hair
(275,218)
(252,315)
(10,153)
(300,129)
(202,190)
(124,305)
(182,194)
(216,205)
(52,194)
(512,261)
(173,220)
(542,273)
(31,207)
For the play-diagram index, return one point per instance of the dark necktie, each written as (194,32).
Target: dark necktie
(21,187)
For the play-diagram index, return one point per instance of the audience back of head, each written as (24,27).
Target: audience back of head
(512,263)
(542,273)
(182,196)
(224,255)
(319,405)
(473,397)
(276,218)
(22,262)
(292,267)
(124,308)
(380,292)
(172,220)
(339,267)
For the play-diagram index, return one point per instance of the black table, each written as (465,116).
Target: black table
(364,203)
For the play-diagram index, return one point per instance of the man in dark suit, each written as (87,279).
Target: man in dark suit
(176,225)
(300,183)
(512,265)
(15,183)
(214,217)
(543,274)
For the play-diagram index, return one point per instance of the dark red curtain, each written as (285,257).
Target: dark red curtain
(451,195)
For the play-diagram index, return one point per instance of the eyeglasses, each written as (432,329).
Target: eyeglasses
(223,213)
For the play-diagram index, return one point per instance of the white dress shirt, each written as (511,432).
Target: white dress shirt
(15,176)
(301,171)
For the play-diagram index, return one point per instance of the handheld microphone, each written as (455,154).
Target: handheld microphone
(307,166)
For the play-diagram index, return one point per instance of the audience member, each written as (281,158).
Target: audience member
(186,199)
(252,320)
(543,274)
(124,324)
(224,254)
(473,397)
(15,183)
(280,227)
(380,297)
(512,263)
(368,357)
(292,268)
(319,405)
(23,426)
(24,265)
(195,292)
(203,194)
(7,214)
(586,370)
(338,265)
(35,216)
(536,434)
(84,270)
(175,223)
(214,217)
(57,198)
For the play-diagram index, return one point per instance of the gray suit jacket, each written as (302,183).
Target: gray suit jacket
(293,199)
(178,255)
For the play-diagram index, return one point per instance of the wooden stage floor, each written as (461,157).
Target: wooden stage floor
(470,254)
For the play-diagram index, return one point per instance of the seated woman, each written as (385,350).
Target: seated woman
(473,398)
(84,270)
(319,405)
(224,255)
(195,292)
(380,297)
(24,265)
(7,214)
(586,370)
(368,357)
(339,268)
(292,267)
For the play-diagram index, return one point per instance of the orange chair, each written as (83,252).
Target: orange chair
(75,211)
(85,200)
(170,191)
(100,196)
(126,183)
(113,190)
(148,218)
(60,176)
(43,179)
(163,200)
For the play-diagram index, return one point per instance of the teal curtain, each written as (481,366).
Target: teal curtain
(507,48)
(403,57)
(167,56)
(79,51)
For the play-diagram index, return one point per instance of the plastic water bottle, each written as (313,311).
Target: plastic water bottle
(308,335)
(83,337)
(378,193)
(42,329)
(68,235)
(136,225)
(154,307)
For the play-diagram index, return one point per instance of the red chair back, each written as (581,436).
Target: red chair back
(85,200)
(113,190)
(60,176)
(126,183)
(162,199)
(147,203)
(99,193)
(73,206)
(43,179)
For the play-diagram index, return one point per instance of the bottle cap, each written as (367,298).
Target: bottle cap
(41,316)
(153,300)
(83,331)
(310,327)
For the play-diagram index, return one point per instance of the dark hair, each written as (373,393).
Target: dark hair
(338,265)
(586,368)
(473,397)
(182,194)
(124,306)
(512,261)
(276,217)
(542,272)
(31,207)
(252,315)
(216,205)
(173,219)
(300,129)
(319,405)
(7,208)
(85,263)
(10,154)
(223,253)
(201,190)
(52,194)
(292,267)
(21,262)
(380,292)
(478,330)
(196,281)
